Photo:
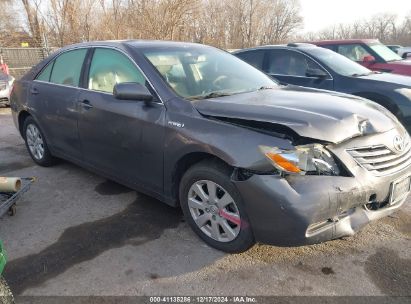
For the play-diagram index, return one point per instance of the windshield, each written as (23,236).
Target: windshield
(384,52)
(339,63)
(205,72)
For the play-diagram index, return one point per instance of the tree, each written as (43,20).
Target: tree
(384,27)
(228,24)
(32,10)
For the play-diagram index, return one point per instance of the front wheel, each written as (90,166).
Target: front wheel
(214,209)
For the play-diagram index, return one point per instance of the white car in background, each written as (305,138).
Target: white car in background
(6,83)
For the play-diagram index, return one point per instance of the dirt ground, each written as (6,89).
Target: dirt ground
(76,233)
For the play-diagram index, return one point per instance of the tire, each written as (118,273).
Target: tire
(6,296)
(36,143)
(215,217)
(12,210)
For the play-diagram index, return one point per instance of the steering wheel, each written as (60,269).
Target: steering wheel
(218,81)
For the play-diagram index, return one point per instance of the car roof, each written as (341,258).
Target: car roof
(135,44)
(344,41)
(290,46)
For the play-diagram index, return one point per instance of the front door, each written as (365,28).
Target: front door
(290,67)
(122,138)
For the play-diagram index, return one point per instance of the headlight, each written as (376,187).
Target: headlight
(311,159)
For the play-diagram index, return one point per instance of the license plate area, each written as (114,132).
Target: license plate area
(400,189)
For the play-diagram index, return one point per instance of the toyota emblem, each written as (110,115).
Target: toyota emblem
(399,144)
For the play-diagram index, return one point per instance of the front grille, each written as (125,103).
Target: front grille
(380,160)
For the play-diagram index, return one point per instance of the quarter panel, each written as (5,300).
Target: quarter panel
(19,99)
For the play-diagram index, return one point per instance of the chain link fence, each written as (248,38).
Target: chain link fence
(21,60)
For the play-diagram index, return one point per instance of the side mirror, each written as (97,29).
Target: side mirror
(132,91)
(368,59)
(318,73)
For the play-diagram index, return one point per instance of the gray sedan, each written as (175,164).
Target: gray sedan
(245,158)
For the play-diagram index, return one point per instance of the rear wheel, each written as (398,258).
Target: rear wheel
(214,209)
(36,144)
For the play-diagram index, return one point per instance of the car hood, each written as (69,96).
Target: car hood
(400,80)
(318,114)
(404,62)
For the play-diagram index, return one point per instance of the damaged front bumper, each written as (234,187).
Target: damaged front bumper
(300,210)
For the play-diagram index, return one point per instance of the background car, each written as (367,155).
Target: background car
(6,84)
(370,53)
(394,48)
(311,66)
(405,52)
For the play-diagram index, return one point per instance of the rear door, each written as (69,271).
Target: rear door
(122,138)
(54,94)
(292,67)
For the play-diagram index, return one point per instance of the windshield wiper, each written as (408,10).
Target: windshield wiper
(211,95)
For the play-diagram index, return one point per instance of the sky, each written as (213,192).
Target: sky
(319,14)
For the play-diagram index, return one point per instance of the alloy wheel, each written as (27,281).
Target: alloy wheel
(214,211)
(35,141)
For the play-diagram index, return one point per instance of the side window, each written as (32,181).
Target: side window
(355,52)
(45,74)
(290,63)
(109,67)
(255,58)
(172,70)
(67,68)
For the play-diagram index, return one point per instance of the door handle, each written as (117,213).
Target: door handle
(34,91)
(86,104)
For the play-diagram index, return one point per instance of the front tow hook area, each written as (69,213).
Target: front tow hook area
(229,217)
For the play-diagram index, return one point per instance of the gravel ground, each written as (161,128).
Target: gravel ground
(76,233)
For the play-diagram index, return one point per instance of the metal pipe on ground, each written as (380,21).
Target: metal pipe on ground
(10,184)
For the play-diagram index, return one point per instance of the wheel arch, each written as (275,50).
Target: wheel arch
(187,161)
(21,119)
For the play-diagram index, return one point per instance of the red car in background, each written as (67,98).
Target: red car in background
(371,53)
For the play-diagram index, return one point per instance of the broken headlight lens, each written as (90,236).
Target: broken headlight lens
(312,159)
